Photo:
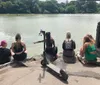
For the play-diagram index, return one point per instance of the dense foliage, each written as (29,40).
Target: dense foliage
(48,6)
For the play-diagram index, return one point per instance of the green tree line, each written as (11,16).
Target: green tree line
(48,6)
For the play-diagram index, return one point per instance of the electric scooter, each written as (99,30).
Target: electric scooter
(47,64)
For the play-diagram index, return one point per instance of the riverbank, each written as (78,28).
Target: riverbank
(34,75)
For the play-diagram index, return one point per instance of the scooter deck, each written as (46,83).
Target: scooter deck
(53,67)
(59,71)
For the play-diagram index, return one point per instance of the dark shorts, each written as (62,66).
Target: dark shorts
(52,51)
(20,57)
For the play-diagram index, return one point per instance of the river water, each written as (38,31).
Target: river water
(29,26)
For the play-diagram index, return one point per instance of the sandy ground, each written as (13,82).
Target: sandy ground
(34,75)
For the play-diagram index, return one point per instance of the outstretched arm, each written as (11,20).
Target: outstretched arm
(38,42)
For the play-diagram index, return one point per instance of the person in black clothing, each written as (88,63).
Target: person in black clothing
(68,49)
(98,39)
(98,36)
(18,49)
(5,54)
(50,44)
(51,49)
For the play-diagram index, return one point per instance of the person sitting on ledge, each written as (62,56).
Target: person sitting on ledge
(18,49)
(5,54)
(51,49)
(88,51)
(68,49)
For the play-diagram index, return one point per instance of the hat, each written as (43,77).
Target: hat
(3,42)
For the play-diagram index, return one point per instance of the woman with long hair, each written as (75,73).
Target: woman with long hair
(88,50)
(51,49)
(18,49)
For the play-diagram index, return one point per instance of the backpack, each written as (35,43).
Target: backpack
(68,45)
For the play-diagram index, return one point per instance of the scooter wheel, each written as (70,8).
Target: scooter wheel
(64,75)
(42,62)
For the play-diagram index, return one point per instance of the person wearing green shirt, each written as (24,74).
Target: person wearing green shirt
(88,50)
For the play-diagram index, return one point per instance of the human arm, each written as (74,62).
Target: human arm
(38,42)
(13,52)
(83,48)
(85,45)
(24,49)
(24,46)
(63,45)
(73,44)
(53,42)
